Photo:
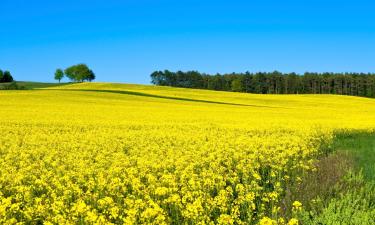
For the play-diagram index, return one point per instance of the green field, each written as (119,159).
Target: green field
(34,85)
(361,147)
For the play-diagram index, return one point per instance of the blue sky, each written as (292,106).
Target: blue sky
(124,41)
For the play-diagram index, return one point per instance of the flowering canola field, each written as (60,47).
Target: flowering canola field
(100,153)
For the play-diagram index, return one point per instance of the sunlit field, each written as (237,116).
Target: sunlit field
(100,153)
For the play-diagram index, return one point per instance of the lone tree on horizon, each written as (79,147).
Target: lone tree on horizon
(59,74)
(76,73)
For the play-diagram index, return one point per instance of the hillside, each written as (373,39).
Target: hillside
(343,111)
(28,85)
(123,153)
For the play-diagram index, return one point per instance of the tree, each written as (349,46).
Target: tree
(360,84)
(79,73)
(156,77)
(1,75)
(7,77)
(237,85)
(91,76)
(59,74)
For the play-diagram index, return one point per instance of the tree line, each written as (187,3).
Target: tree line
(357,84)
(77,73)
(5,76)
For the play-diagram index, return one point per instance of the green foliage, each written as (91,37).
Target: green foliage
(352,199)
(59,74)
(5,77)
(361,147)
(356,206)
(325,183)
(357,84)
(79,73)
(12,86)
(37,85)
(237,85)
(26,85)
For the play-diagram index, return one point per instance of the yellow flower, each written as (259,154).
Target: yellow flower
(79,207)
(297,205)
(114,153)
(225,219)
(293,221)
(267,221)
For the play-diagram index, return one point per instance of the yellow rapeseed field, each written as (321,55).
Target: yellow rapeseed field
(99,153)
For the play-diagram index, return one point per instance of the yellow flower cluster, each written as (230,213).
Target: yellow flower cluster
(131,154)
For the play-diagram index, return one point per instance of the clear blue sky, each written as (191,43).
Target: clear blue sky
(124,41)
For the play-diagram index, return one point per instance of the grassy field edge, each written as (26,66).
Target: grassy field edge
(345,183)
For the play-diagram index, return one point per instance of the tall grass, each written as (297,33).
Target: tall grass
(344,184)
(361,147)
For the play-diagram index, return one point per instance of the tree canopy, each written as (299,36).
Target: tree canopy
(59,74)
(358,84)
(76,73)
(5,77)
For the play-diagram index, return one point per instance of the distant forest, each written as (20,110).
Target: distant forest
(357,84)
